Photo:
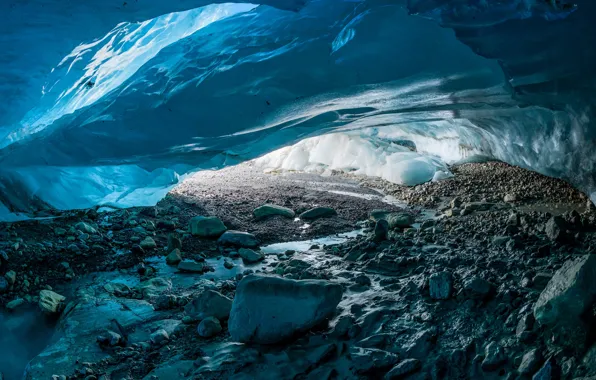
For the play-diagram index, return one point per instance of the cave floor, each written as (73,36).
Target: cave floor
(490,230)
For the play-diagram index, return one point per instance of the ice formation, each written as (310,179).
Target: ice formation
(357,155)
(111,102)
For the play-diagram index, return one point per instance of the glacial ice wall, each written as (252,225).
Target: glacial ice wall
(114,102)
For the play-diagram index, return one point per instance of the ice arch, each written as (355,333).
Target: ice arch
(256,79)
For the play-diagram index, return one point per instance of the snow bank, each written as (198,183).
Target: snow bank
(357,155)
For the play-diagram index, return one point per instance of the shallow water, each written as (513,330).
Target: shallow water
(23,335)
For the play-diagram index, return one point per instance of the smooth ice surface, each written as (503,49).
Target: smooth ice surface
(111,102)
(357,155)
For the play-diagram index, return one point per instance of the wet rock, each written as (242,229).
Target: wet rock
(173,243)
(569,294)
(555,229)
(318,212)
(174,258)
(420,344)
(268,310)
(403,369)
(191,266)
(549,371)
(209,327)
(494,357)
(541,280)
(228,263)
(365,360)
(238,239)
(477,288)
(51,302)
(525,326)
(530,362)
(209,304)
(271,210)
(249,256)
(207,226)
(148,243)
(440,285)
(110,338)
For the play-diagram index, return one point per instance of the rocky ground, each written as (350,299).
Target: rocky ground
(486,275)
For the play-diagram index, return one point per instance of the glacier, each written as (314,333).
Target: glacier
(112,102)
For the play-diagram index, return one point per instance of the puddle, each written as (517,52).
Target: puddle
(368,197)
(305,245)
(23,335)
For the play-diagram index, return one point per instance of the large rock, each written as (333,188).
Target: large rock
(207,226)
(209,304)
(399,220)
(239,239)
(569,294)
(318,212)
(268,310)
(271,210)
(191,266)
(51,302)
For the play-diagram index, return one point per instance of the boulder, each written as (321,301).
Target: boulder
(174,258)
(570,292)
(440,285)
(239,239)
(249,256)
(318,212)
(209,327)
(477,288)
(207,226)
(399,220)
(209,304)
(271,210)
(148,243)
(51,302)
(494,357)
(555,229)
(268,310)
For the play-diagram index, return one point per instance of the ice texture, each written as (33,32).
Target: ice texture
(111,102)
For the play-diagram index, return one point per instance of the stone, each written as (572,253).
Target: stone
(239,239)
(510,198)
(174,242)
(15,304)
(174,258)
(318,212)
(191,266)
(494,357)
(381,230)
(209,304)
(555,229)
(51,302)
(547,372)
(477,288)
(4,285)
(209,327)
(399,220)
(148,243)
(530,362)
(86,228)
(228,263)
(440,285)
(569,294)
(269,310)
(403,369)
(525,324)
(207,226)
(11,277)
(268,210)
(249,256)
(159,337)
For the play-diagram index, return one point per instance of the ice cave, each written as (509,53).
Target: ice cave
(297,189)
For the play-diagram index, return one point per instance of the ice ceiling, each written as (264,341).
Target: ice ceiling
(111,101)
